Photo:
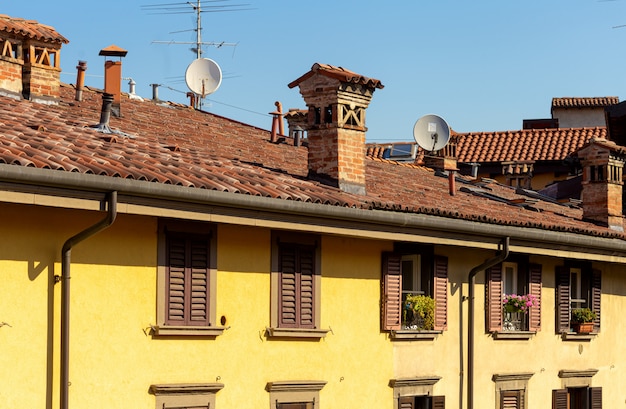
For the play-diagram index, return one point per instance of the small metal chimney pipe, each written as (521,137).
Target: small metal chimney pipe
(105,114)
(155,91)
(131,86)
(80,79)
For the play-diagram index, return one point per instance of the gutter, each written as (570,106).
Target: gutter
(369,219)
(498,258)
(66,256)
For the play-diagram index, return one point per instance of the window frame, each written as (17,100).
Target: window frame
(405,390)
(294,392)
(192,395)
(178,228)
(494,293)
(591,279)
(297,240)
(436,267)
(512,384)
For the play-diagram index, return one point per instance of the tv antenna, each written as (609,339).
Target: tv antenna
(431,132)
(197,8)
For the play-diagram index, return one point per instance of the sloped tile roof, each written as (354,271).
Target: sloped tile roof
(30,29)
(174,144)
(338,73)
(524,145)
(583,102)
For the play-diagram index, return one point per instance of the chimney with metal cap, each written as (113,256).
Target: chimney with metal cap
(113,76)
(80,79)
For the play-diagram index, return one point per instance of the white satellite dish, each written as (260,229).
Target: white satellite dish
(431,132)
(203,76)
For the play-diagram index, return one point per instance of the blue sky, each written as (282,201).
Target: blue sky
(483,66)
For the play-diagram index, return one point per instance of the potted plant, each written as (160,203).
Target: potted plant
(582,320)
(419,312)
(515,309)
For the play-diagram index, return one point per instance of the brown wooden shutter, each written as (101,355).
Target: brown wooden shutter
(391,292)
(441,292)
(187,280)
(560,399)
(511,400)
(287,293)
(199,280)
(175,281)
(406,402)
(595,398)
(296,296)
(439,402)
(307,287)
(534,315)
(494,298)
(562,299)
(596,293)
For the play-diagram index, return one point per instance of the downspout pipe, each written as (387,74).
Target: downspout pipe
(498,258)
(66,256)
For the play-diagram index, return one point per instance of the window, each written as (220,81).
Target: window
(186,279)
(295,286)
(577,286)
(577,398)
(576,392)
(177,396)
(295,394)
(511,390)
(422,402)
(413,270)
(515,277)
(416,393)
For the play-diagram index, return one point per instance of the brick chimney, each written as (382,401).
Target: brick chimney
(337,99)
(30,59)
(113,76)
(603,163)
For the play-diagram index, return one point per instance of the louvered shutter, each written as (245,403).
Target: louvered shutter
(391,292)
(187,281)
(306,304)
(559,399)
(494,298)
(595,398)
(406,402)
(439,402)
(596,293)
(296,296)
(288,287)
(534,315)
(562,299)
(441,292)
(511,400)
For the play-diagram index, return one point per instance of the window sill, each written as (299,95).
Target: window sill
(188,331)
(296,332)
(407,334)
(573,336)
(513,334)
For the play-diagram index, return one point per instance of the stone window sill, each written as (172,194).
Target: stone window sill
(296,332)
(513,334)
(188,331)
(407,334)
(573,336)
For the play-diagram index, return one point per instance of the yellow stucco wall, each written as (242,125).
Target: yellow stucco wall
(114,359)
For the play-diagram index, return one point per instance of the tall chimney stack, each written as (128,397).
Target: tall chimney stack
(602,184)
(113,76)
(337,100)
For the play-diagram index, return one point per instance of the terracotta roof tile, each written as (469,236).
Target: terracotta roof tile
(218,153)
(338,73)
(583,102)
(30,29)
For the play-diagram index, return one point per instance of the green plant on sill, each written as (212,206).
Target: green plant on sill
(582,315)
(423,312)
